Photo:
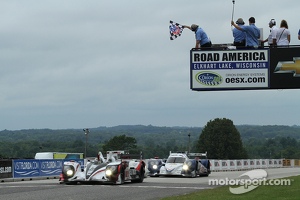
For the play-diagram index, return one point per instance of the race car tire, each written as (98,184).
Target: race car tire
(141,176)
(120,180)
(203,175)
(193,174)
(121,177)
(72,183)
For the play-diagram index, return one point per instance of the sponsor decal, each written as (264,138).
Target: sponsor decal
(5,170)
(209,78)
(289,67)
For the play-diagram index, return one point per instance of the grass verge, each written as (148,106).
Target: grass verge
(265,192)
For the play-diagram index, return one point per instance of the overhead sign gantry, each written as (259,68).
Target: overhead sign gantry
(245,69)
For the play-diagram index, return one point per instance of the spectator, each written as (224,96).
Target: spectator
(283,36)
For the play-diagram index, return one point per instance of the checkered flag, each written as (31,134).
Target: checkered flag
(175,30)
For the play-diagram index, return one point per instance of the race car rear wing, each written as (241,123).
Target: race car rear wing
(125,155)
(200,155)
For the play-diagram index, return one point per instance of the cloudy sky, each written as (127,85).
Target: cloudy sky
(90,63)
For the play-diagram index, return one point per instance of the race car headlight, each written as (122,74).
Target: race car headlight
(185,167)
(154,166)
(110,170)
(70,172)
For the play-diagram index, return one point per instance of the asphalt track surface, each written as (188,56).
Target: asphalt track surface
(151,188)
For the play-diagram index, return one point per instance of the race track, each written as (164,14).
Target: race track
(151,188)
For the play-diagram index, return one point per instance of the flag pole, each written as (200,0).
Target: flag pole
(233,1)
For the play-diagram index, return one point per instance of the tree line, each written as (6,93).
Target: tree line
(219,137)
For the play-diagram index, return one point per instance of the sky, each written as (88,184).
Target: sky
(89,63)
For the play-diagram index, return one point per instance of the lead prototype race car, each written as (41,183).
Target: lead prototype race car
(179,164)
(117,168)
(173,165)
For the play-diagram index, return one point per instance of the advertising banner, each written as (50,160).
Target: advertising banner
(26,168)
(6,169)
(44,167)
(285,67)
(229,69)
(50,167)
(245,69)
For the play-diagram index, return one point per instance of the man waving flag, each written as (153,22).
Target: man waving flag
(175,30)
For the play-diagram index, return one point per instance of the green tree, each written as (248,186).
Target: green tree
(221,140)
(121,142)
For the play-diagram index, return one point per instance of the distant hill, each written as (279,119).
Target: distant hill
(268,131)
(152,140)
(142,133)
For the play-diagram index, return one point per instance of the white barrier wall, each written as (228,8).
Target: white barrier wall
(225,165)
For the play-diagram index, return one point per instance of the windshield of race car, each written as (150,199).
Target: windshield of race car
(176,160)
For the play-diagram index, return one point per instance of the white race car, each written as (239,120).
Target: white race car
(179,164)
(116,169)
(173,165)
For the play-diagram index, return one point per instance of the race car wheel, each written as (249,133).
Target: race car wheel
(121,177)
(193,174)
(203,175)
(72,183)
(141,176)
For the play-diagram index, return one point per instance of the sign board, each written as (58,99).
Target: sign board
(6,169)
(26,168)
(39,167)
(245,69)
